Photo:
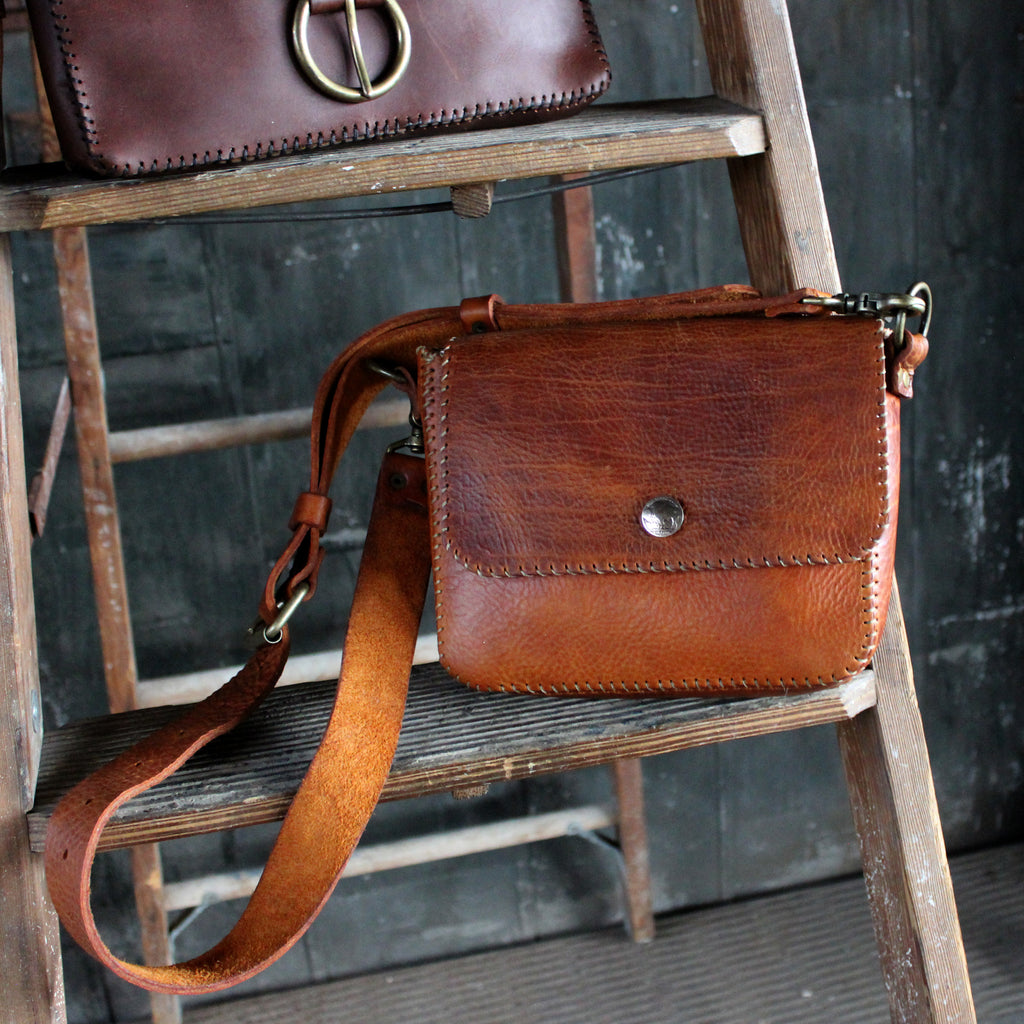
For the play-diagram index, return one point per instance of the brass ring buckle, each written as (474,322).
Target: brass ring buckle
(368,89)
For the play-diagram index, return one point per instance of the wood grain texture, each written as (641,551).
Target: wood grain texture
(403,853)
(471,201)
(575,243)
(259,428)
(41,486)
(779,201)
(31,983)
(904,856)
(99,499)
(627,776)
(148,878)
(604,137)
(17,627)
(948,197)
(452,738)
(81,342)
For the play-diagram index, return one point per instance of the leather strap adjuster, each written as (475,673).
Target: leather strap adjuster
(312,510)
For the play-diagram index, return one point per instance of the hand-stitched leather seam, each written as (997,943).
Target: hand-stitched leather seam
(437,384)
(339,135)
(75,84)
(595,37)
(434,489)
(695,687)
(868,597)
(854,661)
(355,132)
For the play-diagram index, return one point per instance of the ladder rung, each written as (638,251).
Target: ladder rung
(233,885)
(452,738)
(604,137)
(301,668)
(209,435)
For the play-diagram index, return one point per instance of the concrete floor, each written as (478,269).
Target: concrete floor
(790,958)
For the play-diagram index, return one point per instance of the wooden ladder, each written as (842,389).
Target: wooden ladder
(757,121)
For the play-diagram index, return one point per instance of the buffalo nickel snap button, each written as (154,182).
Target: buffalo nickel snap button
(662,517)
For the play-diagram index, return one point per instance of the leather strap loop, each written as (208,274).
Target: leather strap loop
(312,510)
(902,363)
(79,818)
(480,314)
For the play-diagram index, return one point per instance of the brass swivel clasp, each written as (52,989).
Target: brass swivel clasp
(898,306)
(414,444)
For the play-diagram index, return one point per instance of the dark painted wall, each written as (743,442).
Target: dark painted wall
(917,108)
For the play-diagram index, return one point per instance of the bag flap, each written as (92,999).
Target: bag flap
(545,446)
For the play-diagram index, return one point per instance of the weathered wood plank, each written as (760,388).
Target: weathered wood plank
(403,853)
(18,661)
(778,195)
(604,137)
(85,371)
(207,435)
(575,243)
(81,341)
(31,983)
(904,856)
(301,668)
(472,201)
(629,796)
(235,431)
(41,488)
(452,737)
(148,879)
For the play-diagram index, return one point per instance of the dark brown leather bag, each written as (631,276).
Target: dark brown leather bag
(170,85)
(690,495)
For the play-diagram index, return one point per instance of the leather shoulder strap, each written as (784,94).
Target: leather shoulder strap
(340,789)
(343,783)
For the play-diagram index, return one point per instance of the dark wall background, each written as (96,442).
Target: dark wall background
(917,109)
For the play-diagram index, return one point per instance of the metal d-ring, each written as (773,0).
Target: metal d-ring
(921,290)
(368,89)
(920,296)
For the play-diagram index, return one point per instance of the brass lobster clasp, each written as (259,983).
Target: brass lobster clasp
(916,301)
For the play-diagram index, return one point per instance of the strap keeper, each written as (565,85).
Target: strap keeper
(479,315)
(312,510)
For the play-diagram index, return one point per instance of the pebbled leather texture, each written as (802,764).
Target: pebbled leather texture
(174,85)
(544,445)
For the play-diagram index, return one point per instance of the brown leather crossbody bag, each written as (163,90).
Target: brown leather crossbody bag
(170,85)
(691,495)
